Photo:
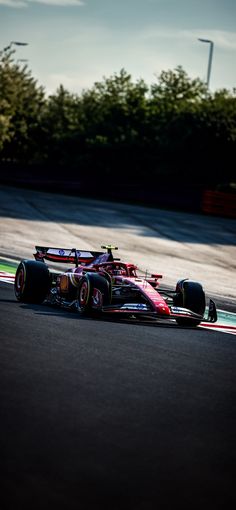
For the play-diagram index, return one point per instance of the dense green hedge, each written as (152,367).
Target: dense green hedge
(173,130)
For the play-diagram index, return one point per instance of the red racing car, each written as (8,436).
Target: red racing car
(100,283)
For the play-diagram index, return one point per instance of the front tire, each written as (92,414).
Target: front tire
(190,295)
(32,281)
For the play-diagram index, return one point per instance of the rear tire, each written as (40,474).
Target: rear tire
(32,281)
(190,295)
(94,292)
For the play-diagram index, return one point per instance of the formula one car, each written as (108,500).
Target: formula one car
(101,283)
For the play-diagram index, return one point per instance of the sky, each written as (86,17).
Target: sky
(78,42)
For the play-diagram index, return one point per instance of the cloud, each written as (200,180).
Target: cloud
(13,3)
(25,3)
(222,39)
(65,3)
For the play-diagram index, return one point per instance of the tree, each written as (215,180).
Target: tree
(114,108)
(21,102)
(175,100)
(175,91)
(114,115)
(215,136)
(174,131)
(62,127)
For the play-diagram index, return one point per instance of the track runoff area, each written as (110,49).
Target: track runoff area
(226,322)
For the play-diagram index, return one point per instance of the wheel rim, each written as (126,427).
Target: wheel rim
(83,295)
(97,298)
(20,281)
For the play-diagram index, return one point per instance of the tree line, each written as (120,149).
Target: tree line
(174,131)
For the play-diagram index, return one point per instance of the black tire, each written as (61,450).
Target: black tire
(87,293)
(190,295)
(32,281)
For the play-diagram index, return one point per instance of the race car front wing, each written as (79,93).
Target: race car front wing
(176,312)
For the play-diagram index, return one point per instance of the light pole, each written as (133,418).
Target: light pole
(209,59)
(16,43)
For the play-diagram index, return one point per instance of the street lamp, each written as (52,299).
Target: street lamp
(16,43)
(210,58)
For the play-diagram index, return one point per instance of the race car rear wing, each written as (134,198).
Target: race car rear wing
(71,255)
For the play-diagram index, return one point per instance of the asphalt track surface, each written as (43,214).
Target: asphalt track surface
(99,414)
(174,244)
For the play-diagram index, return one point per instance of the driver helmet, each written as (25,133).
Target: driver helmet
(114,270)
(120,271)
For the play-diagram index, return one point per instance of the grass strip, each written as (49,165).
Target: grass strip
(8,268)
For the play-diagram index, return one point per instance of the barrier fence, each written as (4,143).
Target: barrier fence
(219,203)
